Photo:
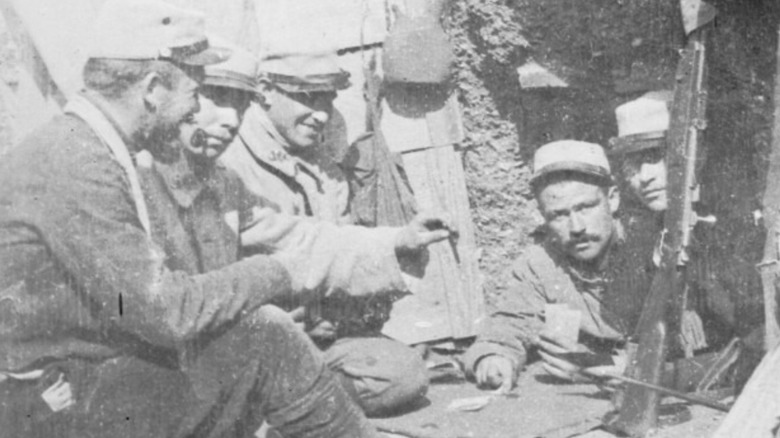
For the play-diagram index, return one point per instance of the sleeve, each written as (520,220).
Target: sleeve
(87,217)
(515,322)
(327,257)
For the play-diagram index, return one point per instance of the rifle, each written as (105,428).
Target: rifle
(659,323)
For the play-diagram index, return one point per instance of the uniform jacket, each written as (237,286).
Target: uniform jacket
(315,187)
(197,219)
(543,275)
(190,217)
(78,273)
(311,186)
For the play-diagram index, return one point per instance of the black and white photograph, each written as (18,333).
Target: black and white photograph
(389,218)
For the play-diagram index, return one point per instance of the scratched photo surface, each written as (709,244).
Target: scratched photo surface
(390,218)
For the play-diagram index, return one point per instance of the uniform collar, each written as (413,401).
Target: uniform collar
(130,144)
(182,182)
(265,143)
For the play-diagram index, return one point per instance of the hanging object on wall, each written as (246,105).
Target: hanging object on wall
(417,49)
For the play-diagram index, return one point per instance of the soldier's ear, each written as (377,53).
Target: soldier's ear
(153,91)
(265,91)
(613,197)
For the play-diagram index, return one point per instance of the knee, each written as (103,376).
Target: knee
(270,321)
(270,335)
(406,370)
(384,376)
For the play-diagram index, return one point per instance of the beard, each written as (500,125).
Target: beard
(164,132)
(161,140)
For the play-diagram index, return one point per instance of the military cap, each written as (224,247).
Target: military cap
(571,156)
(300,72)
(239,71)
(152,30)
(642,123)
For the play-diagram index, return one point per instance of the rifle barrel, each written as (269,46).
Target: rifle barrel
(663,390)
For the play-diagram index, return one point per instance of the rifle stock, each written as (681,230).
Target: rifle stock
(659,324)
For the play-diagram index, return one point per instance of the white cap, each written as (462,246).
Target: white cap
(304,71)
(571,156)
(239,71)
(152,30)
(642,123)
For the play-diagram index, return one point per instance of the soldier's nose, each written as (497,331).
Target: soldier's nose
(576,224)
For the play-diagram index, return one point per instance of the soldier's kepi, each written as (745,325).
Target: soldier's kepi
(563,163)
(640,146)
(225,94)
(298,90)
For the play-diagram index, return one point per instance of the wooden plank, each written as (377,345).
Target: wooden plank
(438,181)
(756,414)
(415,120)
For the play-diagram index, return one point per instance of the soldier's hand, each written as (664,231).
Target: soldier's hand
(618,368)
(568,362)
(424,230)
(555,357)
(495,372)
(562,368)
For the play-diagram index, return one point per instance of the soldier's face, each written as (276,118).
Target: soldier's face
(578,215)
(210,131)
(175,104)
(645,173)
(300,117)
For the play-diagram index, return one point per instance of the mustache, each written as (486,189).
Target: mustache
(585,238)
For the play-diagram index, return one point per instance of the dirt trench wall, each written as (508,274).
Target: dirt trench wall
(609,52)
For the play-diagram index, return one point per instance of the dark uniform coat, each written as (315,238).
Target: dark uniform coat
(78,274)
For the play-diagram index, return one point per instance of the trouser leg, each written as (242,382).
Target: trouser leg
(123,397)
(382,375)
(260,368)
(266,368)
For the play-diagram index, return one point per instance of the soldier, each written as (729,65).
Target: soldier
(641,145)
(279,154)
(100,337)
(717,284)
(190,194)
(573,186)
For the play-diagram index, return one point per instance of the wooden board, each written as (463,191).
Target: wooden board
(448,302)
(756,413)
(413,121)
